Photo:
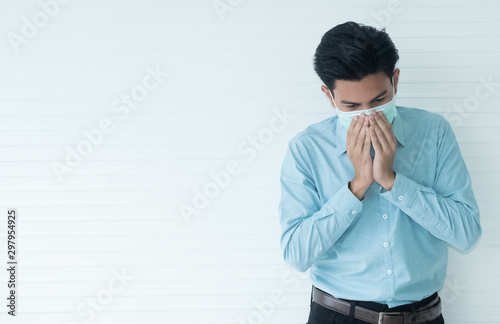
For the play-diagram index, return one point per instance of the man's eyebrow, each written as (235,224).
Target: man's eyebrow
(350,102)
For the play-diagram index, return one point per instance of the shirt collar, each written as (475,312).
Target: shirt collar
(397,128)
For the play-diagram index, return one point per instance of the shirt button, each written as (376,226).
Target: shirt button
(384,216)
(389,272)
(354,212)
(400,197)
(386,244)
(390,299)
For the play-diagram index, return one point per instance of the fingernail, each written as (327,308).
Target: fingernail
(355,118)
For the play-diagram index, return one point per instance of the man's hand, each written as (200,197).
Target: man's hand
(384,143)
(358,150)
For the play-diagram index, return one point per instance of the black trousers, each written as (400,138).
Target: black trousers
(322,315)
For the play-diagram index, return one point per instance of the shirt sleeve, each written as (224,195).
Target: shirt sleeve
(308,228)
(448,210)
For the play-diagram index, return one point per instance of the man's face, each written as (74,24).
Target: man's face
(372,91)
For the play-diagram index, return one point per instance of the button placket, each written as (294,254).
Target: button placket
(384,212)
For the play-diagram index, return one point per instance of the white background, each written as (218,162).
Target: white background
(228,75)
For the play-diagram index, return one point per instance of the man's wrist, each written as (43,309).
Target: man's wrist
(358,188)
(389,182)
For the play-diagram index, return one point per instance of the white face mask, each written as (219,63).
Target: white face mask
(389,109)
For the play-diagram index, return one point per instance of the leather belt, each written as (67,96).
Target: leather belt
(421,315)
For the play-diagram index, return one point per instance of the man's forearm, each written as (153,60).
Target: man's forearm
(453,218)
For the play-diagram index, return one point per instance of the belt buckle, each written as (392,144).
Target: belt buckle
(391,316)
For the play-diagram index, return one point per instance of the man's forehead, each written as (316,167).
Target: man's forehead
(367,88)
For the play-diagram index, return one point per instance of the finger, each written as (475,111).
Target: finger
(358,125)
(383,118)
(355,123)
(376,144)
(380,133)
(360,139)
(386,127)
(351,129)
(351,126)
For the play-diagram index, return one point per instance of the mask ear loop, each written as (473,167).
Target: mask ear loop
(334,101)
(393,94)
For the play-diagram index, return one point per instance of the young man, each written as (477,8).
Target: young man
(371,197)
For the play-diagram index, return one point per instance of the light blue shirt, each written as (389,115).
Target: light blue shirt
(392,246)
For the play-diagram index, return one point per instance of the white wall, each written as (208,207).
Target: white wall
(228,75)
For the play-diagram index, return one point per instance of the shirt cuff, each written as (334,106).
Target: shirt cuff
(402,192)
(344,202)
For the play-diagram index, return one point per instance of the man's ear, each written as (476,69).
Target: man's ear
(326,91)
(395,75)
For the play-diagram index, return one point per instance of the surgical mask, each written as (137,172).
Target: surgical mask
(389,109)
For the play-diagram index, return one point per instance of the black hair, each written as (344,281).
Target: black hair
(351,51)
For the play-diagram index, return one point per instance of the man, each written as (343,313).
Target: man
(371,197)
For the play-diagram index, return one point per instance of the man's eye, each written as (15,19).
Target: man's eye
(379,99)
(351,106)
